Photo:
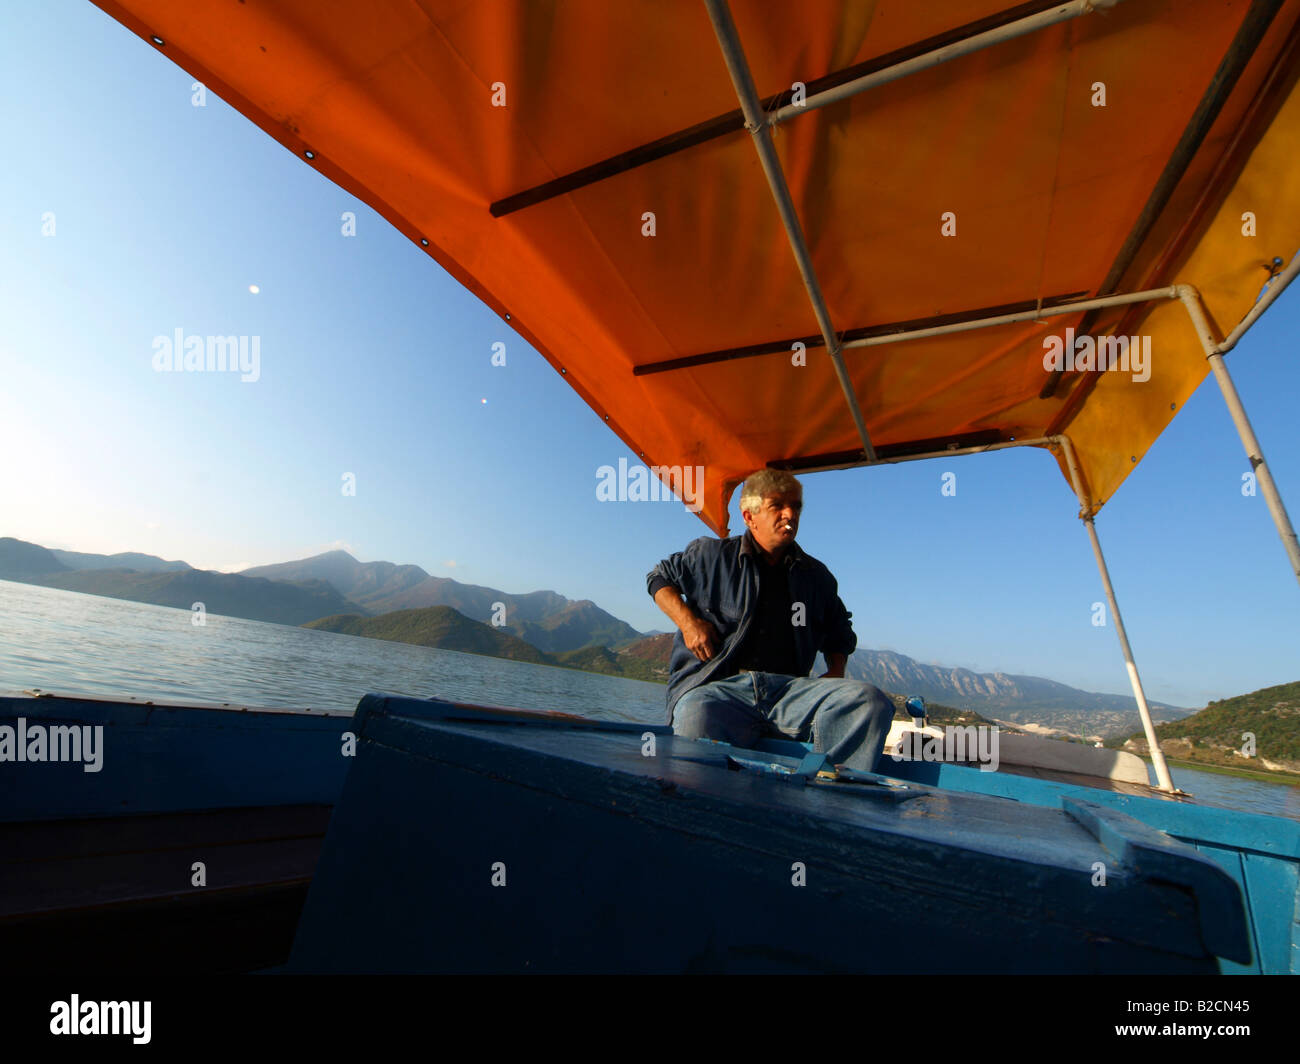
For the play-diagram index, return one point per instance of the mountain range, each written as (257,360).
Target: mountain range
(154,581)
(1012,699)
(143,563)
(546,619)
(340,593)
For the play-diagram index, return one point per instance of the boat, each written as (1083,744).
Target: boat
(570,845)
(806,237)
(174,837)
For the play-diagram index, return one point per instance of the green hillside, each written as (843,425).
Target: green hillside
(435,626)
(603,660)
(1214,736)
(445,628)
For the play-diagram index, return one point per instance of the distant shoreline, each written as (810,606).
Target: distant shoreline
(1287,779)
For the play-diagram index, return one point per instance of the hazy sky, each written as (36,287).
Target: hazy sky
(373,362)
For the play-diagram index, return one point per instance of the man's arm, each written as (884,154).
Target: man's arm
(700,637)
(840,639)
(667,582)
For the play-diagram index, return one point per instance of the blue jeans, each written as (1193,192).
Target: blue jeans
(846,720)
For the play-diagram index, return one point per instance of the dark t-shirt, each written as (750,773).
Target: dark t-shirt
(769,646)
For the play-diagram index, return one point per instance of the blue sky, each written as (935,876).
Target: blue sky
(374,362)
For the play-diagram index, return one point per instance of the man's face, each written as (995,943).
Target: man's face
(776,522)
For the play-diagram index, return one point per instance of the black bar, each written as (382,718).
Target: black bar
(377,1018)
(981,438)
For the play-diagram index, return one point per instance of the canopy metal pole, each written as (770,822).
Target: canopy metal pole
(1275,289)
(1166,782)
(1060,13)
(756,123)
(1191,299)
(1123,299)
(1144,711)
(842,84)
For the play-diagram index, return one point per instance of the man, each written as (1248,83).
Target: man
(752,612)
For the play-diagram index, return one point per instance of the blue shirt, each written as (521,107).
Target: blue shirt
(719,579)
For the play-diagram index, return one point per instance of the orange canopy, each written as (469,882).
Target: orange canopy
(1146,144)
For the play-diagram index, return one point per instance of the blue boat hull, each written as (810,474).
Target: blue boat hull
(612,856)
(168,758)
(475,842)
(188,847)
(1261,853)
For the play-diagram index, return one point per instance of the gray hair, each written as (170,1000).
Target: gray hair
(758,486)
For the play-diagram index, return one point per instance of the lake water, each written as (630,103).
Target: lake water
(69,643)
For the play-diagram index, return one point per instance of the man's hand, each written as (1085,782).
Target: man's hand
(700,637)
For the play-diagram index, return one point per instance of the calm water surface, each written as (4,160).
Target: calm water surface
(70,643)
(67,642)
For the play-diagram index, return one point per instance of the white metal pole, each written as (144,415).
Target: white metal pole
(1191,299)
(1144,710)
(1276,287)
(1019,316)
(755,122)
(1166,782)
(1019,28)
